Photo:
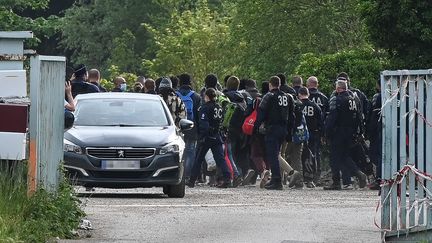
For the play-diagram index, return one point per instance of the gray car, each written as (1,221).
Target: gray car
(124,140)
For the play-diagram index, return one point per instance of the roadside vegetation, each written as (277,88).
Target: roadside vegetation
(38,218)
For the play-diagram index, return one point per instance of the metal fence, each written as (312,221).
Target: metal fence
(407,152)
(47,86)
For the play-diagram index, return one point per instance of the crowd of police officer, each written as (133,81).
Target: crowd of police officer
(342,121)
(282,113)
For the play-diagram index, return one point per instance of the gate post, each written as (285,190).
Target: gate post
(47,86)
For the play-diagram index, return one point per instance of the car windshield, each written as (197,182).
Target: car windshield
(120,112)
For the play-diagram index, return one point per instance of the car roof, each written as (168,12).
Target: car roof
(117,95)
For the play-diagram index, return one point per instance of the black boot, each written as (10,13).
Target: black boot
(237,181)
(333,187)
(375,185)
(190,183)
(362,179)
(274,185)
(224,184)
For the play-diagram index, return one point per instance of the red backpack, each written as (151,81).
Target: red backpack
(249,122)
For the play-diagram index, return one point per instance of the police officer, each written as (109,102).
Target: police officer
(315,123)
(284,87)
(276,112)
(374,132)
(364,102)
(341,125)
(323,102)
(80,84)
(317,96)
(210,117)
(359,148)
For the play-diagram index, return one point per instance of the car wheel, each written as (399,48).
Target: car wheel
(165,190)
(177,191)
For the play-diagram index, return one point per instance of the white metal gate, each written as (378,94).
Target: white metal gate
(407,152)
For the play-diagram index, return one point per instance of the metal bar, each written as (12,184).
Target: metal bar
(35,80)
(16,34)
(420,141)
(411,148)
(386,159)
(428,141)
(402,147)
(52,58)
(393,151)
(407,72)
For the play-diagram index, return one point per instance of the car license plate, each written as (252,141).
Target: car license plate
(121,164)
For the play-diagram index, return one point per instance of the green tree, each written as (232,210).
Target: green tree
(192,42)
(101,33)
(403,28)
(270,36)
(362,65)
(16,15)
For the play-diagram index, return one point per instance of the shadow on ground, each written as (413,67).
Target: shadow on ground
(122,195)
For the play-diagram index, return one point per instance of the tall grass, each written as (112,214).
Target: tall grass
(38,218)
(13,198)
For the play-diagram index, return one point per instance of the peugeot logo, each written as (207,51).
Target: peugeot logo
(121,153)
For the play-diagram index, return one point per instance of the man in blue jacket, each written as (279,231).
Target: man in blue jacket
(192,101)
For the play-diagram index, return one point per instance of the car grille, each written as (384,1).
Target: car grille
(119,153)
(122,174)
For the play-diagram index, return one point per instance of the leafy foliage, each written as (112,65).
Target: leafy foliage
(38,218)
(363,66)
(270,36)
(190,42)
(403,27)
(243,37)
(105,33)
(12,18)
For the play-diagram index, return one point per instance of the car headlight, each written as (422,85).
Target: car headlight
(170,148)
(68,146)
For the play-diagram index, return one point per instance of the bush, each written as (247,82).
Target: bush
(38,218)
(362,65)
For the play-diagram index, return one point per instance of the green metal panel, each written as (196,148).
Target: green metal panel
(47,80)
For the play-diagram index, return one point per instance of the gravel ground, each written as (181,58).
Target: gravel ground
(245,214)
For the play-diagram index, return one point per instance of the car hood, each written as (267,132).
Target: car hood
(93,136)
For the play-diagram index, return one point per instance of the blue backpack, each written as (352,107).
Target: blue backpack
(301,133)
(189,103)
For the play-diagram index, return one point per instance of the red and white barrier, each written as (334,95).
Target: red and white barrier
(13,131)
(417,205)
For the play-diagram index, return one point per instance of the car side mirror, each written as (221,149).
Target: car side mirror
(69,119)
(186,125)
